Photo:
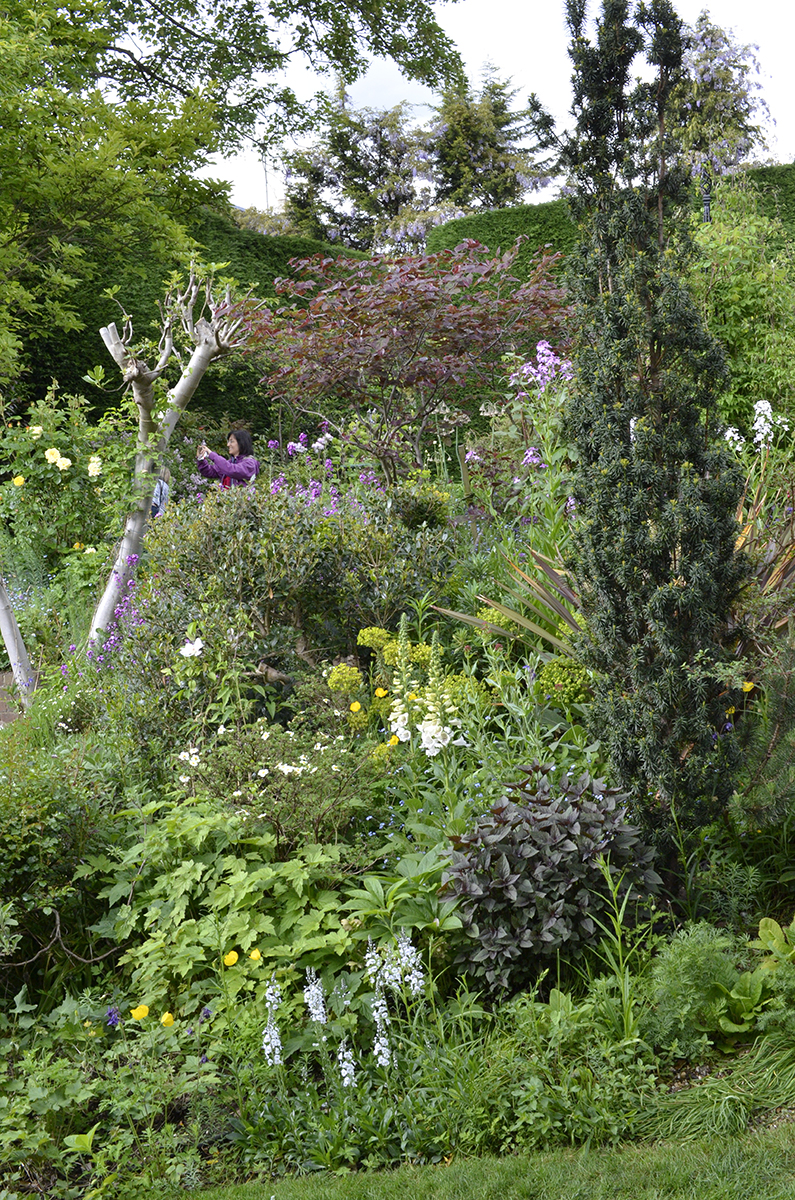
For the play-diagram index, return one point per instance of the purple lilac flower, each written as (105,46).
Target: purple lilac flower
(533,458)
(273,444)
(277,484)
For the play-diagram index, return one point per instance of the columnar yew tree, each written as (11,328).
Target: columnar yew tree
(655,488)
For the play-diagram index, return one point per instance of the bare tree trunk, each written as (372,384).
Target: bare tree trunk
(211,338)
(15,648)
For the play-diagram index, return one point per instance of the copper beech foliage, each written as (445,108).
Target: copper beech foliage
(381,349)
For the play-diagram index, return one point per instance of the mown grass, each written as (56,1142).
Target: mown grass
(757,1166)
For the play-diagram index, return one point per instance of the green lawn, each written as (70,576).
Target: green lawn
(759,1166)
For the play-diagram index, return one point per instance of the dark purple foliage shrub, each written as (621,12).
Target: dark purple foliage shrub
(529,875)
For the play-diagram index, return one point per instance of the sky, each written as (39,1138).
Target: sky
(526,41)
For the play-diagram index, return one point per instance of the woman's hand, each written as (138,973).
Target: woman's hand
(202,451)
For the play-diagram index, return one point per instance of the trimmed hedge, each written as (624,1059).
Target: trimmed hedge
(551,224)
(231,388)
(543,224)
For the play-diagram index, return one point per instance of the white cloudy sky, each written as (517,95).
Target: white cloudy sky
(526,41)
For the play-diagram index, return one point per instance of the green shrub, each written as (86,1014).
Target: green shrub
(684,1005)
(555,1074)
(529,879)
(564,682)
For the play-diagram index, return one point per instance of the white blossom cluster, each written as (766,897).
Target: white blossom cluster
(314,997)
(346,1064)
(394,968)
(271,1039)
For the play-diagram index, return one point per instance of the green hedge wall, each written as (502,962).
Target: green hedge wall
(777,192)
(231,388)
(551,224)
(543,224)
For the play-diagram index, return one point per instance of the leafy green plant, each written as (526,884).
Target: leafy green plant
(694,985)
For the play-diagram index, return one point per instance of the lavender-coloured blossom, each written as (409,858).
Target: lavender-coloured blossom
(277,484)
(112,1017)
(532,457)
(273,444)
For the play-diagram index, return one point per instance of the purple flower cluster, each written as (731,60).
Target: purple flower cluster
(545,370)
(533,458)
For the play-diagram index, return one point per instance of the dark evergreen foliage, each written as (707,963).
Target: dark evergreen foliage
(655,488)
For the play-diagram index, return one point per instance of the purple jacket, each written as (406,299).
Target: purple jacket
(232,472)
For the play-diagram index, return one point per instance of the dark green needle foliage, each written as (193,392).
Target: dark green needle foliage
(655,488)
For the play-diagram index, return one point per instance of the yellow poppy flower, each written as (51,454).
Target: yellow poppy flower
(255,956)
(393,741)
(731,709)
(355,706)
(140,1012)
(231,958)
(167,1020)
(381,692)
(748,686)
(79,546)
(18,480)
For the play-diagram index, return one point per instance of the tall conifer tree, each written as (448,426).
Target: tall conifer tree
(656,489)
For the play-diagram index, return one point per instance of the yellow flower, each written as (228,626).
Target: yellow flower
(255,956)
(731,709)
(393,741)
(381,692)
(412,696)
(355,706)
(52,455)
(78,546)
(167,1020)
(231,958)
(748,686)
(140,1012)
(63,464)
(18,480)
(94,465)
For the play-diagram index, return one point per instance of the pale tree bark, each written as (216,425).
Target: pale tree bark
(24,676)
(213,335)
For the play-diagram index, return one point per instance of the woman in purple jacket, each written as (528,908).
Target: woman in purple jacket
(240,467)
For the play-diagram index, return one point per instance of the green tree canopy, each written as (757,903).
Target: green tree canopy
(86,183)
(233,52)
(483,152)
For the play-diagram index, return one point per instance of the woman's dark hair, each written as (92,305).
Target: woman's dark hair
(244,442)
